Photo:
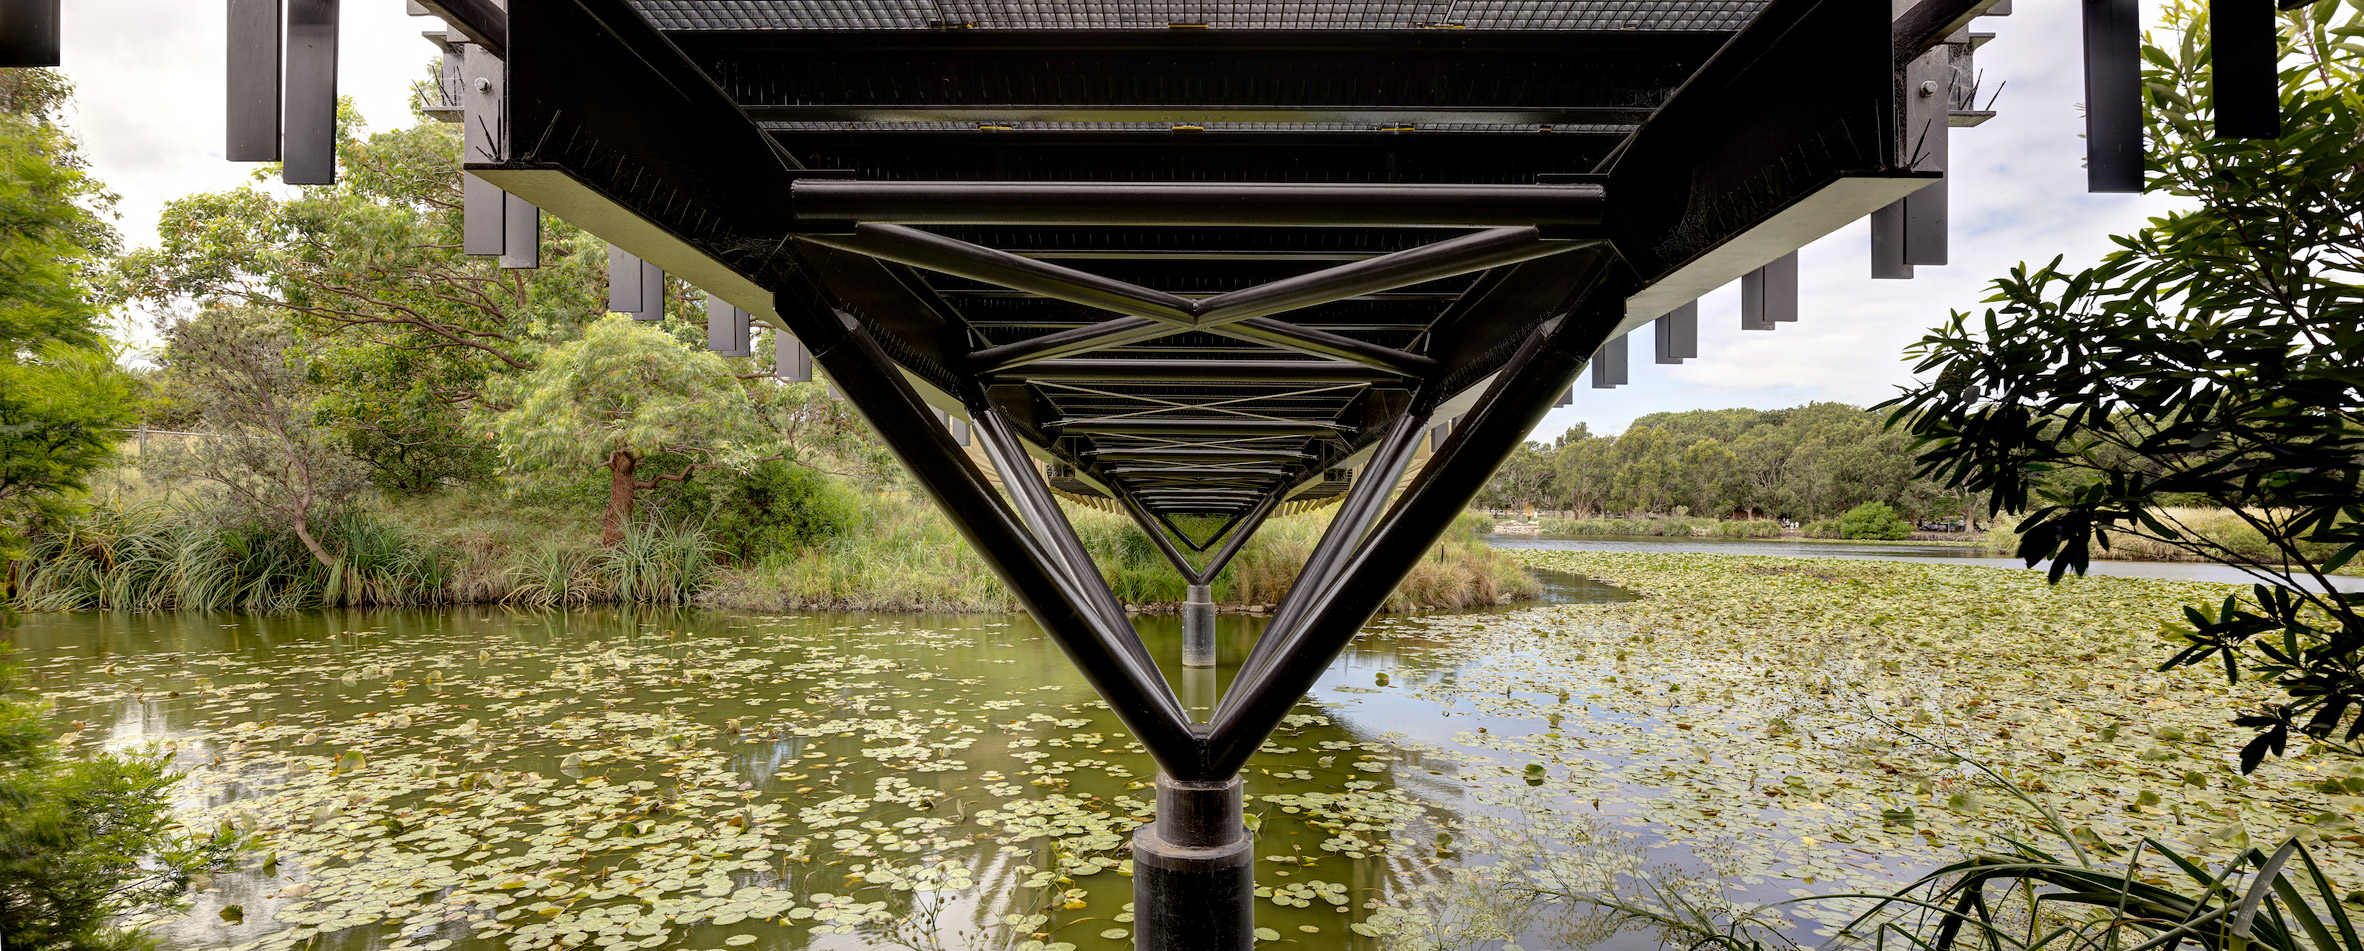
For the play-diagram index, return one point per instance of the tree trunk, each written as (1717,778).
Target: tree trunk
(303,530)
(620,465)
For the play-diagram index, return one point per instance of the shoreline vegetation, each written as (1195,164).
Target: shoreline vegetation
(892,553)
(2001,538)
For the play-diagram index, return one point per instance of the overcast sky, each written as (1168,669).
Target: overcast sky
(151,73)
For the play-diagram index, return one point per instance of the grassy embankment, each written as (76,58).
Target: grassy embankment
(1669,526)
(474,547)
(2221,526)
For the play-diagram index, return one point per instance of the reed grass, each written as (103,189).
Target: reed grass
(157,556)
(1674,527)
(478,547)
(909,558)
(2221,527)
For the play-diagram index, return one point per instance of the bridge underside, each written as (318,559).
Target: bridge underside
(1201,262)
(1205,261)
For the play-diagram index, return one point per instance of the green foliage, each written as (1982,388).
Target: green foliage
(61,394)
(1815,460)
(776,507)
(1823,528)
(2210,360)
(1874,520)
(626,387)
(87,839)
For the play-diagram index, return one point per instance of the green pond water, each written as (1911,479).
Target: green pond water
(487,778)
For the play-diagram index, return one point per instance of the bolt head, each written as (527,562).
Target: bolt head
(1928,87)
(485,85)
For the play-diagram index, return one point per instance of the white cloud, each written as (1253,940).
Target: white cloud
(151,75)
(2018,193)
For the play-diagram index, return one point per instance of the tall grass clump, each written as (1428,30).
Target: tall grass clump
(154,557)
(1631,527)
(907,557)
(1747,528)
(157,557)
(2221,526)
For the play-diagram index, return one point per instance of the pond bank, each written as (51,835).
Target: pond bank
(502,778)
(1902,551)
(900,555)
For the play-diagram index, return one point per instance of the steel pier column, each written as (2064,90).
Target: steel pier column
(1194,875)
(1198,627)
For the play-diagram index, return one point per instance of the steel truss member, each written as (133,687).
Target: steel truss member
(1238,273)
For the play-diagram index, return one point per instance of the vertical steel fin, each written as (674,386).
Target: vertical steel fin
(253,117)
(790,360)
(1769,295)
(623,281)
(2113,96)
(1887,246)
(1609,369)
(484,217)
(2245,46)
(309,146)
(29,33)
(1677,334)
(1928,112)
(652,293)
(521,233)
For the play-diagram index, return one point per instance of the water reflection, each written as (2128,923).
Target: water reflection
(846,744)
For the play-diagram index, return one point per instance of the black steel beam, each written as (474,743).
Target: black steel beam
(1167,75)
(1545,366)
(1197,475)
(1261,204)
(1200,372)
(1194,455)
(978,263)
(1364,501)
(1034,502)
(1449,258)
(1801,98)
(1280,333)
(597,94)
(1238,537)
(1192,426)
(483,22)
(1217,154)
(1929,22)
(876,388)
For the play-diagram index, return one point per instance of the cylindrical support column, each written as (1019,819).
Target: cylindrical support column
(1198,627)
(1194,873)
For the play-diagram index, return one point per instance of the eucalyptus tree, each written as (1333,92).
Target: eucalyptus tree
(2212,358)
(409,331)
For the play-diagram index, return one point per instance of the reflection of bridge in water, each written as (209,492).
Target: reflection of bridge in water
(1203,262)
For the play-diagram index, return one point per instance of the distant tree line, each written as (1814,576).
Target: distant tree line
(1805,463)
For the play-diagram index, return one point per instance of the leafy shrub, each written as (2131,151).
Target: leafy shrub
(1827,528)
(1748,528)
(86,840)
(777,507)
(1874,520)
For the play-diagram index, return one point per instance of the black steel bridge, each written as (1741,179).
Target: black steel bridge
(1203,260)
